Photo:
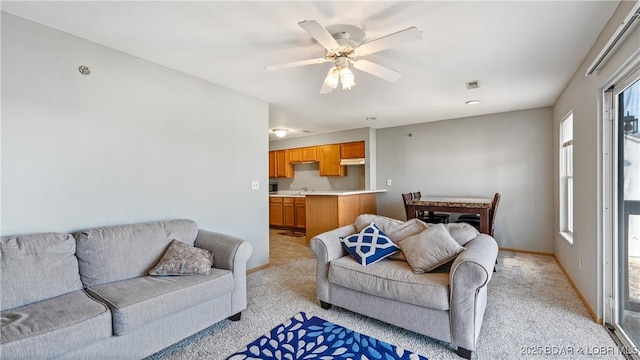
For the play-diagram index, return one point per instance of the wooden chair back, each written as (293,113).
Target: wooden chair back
(405,198)
(492,213)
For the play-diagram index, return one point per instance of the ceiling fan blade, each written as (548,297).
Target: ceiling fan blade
(398,38)
(296,63)
(376,70)
(319,33)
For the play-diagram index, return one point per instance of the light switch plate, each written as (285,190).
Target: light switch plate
(255,185)
(388,182)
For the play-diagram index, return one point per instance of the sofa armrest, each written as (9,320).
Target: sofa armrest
(327,247)
(468,278)
(230,253)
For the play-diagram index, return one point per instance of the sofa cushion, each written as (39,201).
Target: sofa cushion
(462,232)
(138,301)
(369,245)
(182,259)
(430,248)
(35,267)
(122,252)
(408,228)
(55,326)
(386,224)
(392,280)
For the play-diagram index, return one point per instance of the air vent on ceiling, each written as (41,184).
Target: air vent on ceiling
(473,85)
(306,131)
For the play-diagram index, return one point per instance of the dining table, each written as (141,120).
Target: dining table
(454,204)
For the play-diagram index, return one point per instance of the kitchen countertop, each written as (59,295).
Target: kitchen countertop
(293,193)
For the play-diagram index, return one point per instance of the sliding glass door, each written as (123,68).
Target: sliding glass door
(627,204)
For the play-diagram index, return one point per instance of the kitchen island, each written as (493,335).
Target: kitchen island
(328,210)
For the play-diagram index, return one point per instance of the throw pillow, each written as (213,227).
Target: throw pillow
(410,227)
(462,232)
(430,248)
(183,259)
(386,224)
(369,245)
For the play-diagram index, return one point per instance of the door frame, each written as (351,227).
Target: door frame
(627,75)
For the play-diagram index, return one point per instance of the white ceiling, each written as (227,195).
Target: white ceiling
(522,53)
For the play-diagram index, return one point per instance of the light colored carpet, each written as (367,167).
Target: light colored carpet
(532,308)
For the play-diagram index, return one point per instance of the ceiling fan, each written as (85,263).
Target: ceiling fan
(344,52)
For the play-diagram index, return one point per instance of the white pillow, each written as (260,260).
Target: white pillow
(430,248)
(386,224)
(462,232)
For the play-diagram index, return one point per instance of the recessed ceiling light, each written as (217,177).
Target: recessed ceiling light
(472,102)
(371,118)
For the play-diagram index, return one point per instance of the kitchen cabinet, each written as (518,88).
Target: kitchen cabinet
(294,155)
(328,212)
(287,212)
(272,164)
(352,150)
(305,154)
(300,213)
(329,157)
(276,214)
(279,165)
(309,153)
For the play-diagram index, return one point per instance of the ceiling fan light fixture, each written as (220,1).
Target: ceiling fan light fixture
(347,79)
(280,132)
(332,78)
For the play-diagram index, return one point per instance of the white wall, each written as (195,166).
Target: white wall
(583,95)
(508,153)
(132,142)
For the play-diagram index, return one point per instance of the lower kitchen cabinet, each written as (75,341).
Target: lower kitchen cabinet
(301,213)
(276,214)
(287,212)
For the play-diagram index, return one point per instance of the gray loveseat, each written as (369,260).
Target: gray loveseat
(88,295)
(447,303)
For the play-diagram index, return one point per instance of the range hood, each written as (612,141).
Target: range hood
(356,161)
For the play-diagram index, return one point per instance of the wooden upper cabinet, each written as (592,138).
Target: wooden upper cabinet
(329,157)
(304,154)
(352,150)
(309,153)
(294,155)
(272,164)
(282,167)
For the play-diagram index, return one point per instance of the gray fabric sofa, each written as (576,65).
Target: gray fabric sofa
(447,303)
(88,295)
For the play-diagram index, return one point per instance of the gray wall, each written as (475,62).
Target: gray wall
(583,95)
(508,153)
(358,177)
(132,142)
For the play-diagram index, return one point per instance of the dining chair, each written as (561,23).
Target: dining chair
(405,198)
(429,216)
(474,219)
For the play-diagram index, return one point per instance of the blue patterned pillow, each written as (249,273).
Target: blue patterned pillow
(369,246)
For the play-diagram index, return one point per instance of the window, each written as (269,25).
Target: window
(566,177)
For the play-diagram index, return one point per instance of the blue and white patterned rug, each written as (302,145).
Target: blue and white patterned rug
(304,337)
